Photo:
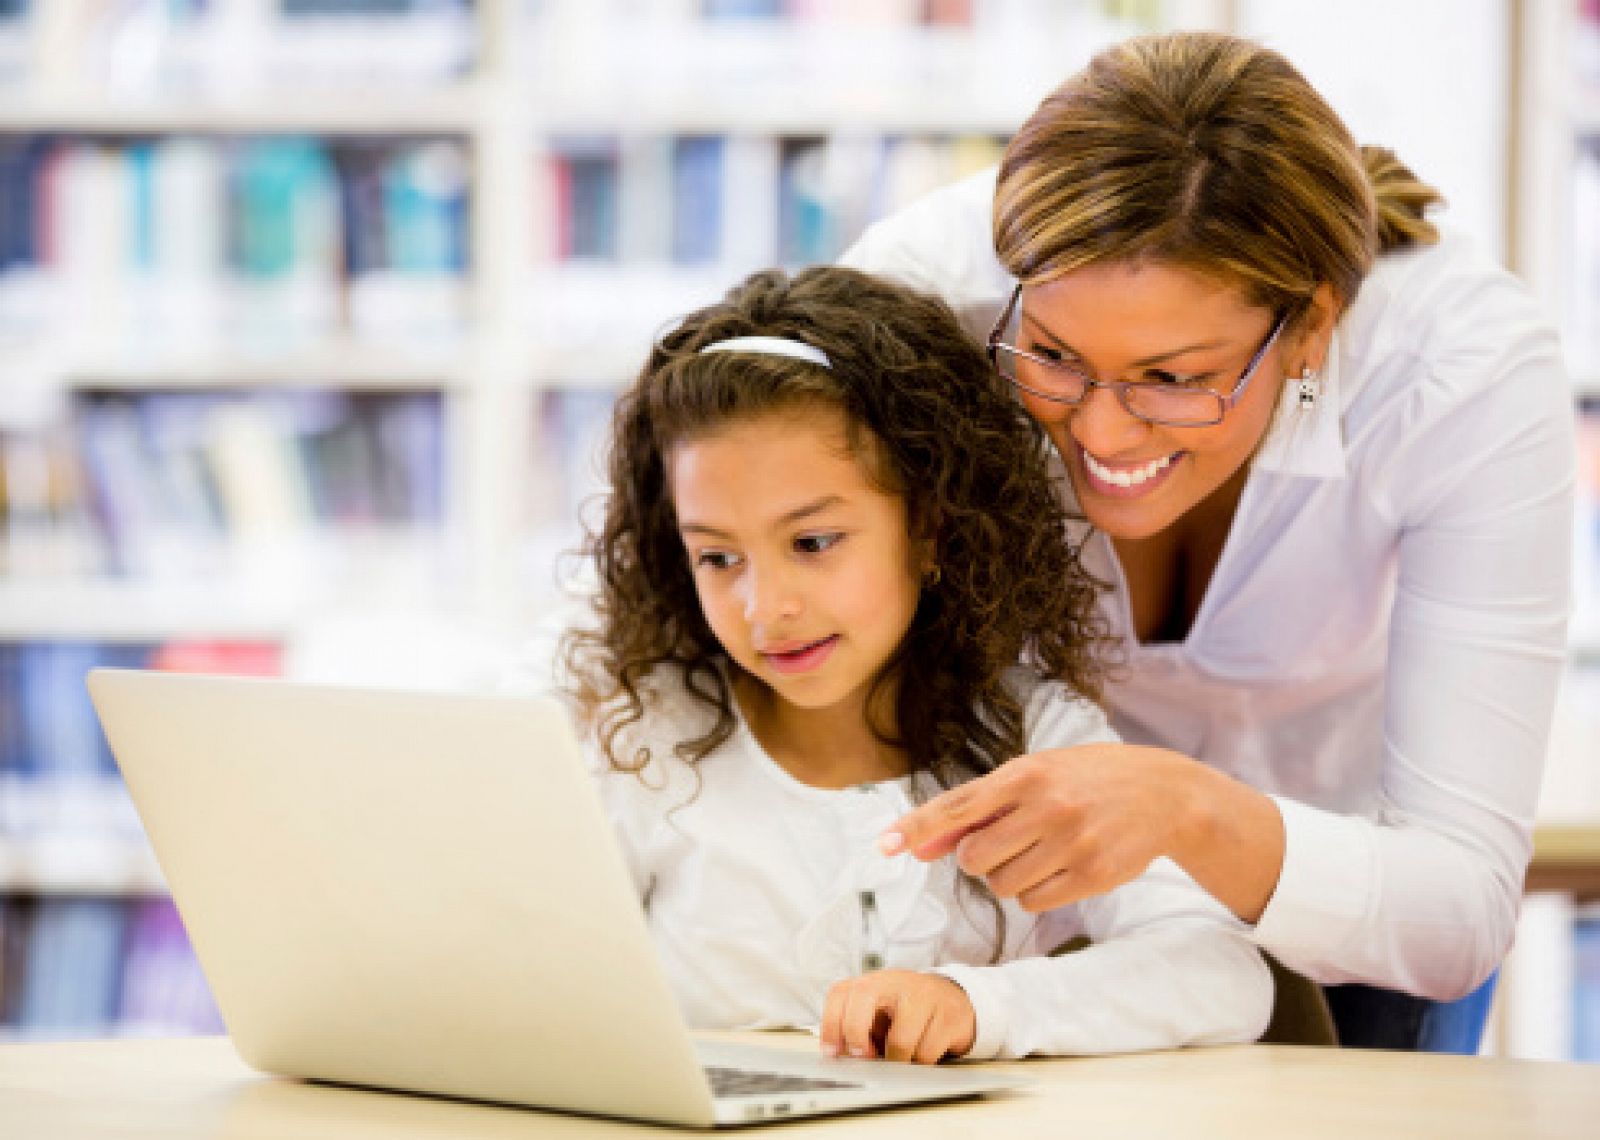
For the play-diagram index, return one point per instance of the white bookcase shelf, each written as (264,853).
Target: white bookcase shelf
(335,113)
(79,865)
(346,364)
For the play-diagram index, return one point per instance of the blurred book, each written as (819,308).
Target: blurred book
(163,991)
(1586,983)
(72,968)
(697,203)
(585,177)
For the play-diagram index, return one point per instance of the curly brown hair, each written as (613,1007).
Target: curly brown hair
(931,421)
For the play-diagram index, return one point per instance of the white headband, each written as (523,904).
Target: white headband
(772,346)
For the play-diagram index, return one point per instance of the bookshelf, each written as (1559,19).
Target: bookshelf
(1557,192)
(1549,1004)
(281,404)
(1555,225)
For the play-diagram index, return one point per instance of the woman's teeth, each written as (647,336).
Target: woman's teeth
(1128,476)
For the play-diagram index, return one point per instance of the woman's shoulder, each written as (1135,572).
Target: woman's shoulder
(941,244)
(1448,305)
(1445,364)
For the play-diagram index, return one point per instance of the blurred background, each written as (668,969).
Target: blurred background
(312,312)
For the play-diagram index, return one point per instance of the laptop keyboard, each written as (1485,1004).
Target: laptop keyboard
(753,1082)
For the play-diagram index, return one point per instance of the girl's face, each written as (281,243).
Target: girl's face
(805,570)
(1158,324)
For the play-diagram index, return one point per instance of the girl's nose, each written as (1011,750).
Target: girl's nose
(770,596)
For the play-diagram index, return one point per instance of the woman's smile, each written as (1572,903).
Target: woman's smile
(1124,479)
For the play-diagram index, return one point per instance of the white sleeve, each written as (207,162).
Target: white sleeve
(1424,898)
(942,244)
(1168,966)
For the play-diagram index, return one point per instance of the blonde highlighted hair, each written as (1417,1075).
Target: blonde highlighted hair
(1207,152)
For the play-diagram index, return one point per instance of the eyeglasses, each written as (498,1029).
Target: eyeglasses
(1174,403)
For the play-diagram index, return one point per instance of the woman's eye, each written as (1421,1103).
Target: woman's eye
(1045,352)
(817,543)
(1161,376)
(716,559)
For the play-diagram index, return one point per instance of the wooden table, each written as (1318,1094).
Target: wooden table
(198,1089)
(1566,859)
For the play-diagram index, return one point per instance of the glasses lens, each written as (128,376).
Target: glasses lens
(1173,405)
(1056,381)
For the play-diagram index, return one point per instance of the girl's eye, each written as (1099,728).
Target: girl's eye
(716,559)
(817,543)
(1046,352)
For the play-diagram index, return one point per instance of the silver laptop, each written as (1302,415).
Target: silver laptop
(421,892)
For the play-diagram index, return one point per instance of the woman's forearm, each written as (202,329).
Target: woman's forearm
(1230,841)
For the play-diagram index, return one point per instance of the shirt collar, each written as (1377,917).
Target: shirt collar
(1308,441)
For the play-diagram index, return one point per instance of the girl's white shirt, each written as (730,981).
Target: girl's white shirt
(752,884)
(1382,639)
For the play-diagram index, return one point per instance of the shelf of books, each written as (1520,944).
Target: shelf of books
(239,259)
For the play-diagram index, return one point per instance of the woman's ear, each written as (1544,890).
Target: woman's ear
(1316,329)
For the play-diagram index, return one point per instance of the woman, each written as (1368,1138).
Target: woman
(1325,460)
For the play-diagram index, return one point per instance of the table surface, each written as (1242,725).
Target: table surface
(198,1089)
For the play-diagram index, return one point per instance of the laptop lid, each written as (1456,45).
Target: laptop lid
(421,891)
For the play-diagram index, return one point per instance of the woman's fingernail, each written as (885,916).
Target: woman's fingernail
(830,1048)
(891,843)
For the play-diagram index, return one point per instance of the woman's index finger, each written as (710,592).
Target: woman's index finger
(932,830)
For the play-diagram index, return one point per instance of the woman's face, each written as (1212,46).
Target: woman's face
(1158,324)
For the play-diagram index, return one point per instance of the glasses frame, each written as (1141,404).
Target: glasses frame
(1225,403)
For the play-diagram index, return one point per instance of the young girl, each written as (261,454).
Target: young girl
(834,581)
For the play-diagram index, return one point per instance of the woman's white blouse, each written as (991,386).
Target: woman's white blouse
(1381,640)
(761,892)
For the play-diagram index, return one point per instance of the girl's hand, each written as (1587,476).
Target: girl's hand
(1054,827)
(899,1015)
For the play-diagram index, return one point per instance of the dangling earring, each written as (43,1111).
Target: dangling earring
(1309,387)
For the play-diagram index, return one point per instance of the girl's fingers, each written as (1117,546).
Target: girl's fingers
(936,1040)
(911,1021)
(830,1030)
(866,1013)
